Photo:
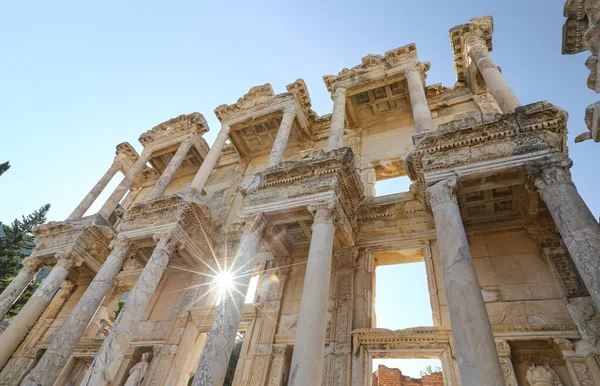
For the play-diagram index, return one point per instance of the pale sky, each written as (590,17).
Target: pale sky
(77,78)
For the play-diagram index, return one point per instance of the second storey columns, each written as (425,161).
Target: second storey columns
(211,159)
(418,99)
(309,344)
(283,134)
(167,175)
(338,120)
(478,361)
(31,266)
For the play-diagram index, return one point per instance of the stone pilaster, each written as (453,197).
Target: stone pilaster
(31,265)
(506,362)
(85,204)
(478,361)
(64,342)
(309,344)
(495,81)
(167,175)
(575,222)
(418,99)
(29,314)
(221,337)
(283,134)
(211,159)
(338,120)
(110,355)
(113,201)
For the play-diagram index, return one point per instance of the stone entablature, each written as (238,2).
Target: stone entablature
(480,28)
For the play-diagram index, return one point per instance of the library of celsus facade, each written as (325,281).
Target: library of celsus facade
(512,253)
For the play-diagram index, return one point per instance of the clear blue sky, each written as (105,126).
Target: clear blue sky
(77,78)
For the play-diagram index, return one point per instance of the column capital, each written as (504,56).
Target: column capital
(551,170)
(68,259)
(290,108)
(503,348)
(255,224)
(323,212)
(120,242)
(339,91)
(415,67)
(443,191)
(170,240)
(32,264)
(225,128)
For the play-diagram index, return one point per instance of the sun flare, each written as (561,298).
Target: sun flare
(224,281)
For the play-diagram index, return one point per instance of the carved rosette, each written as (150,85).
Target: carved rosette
(443,191)
(549,171)
(323,212)
(255,224)
(31,264)
(68,259)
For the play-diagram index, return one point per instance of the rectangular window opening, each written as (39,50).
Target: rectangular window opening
(392,186)
(402,298)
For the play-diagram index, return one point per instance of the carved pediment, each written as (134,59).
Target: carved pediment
(257,96)
(193,123)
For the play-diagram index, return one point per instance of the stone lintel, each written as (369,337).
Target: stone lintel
(480,28)
(203,317)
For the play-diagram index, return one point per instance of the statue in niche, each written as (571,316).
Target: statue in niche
(542,376)
(138,372)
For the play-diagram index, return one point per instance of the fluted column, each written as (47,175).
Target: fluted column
(85,204)
(111,204)
(338,118)
(221,337)
(29,314)
(495,81)
(107,361)
(577,225)
(418,99)
(63,344)
(31,266)
(211,159)
(478,361)
(309,344)
(167,175)
(283,134)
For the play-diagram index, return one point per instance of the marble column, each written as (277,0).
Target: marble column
(495,81)
(113,201)
(211,159)
(107,361)
(29,314)
(169,172)
(85,204)
(221,337)
(63,344)
(309,344)
(478,361)
(338,120)
(283,134)
(577,225)
(31,266)
(418,99)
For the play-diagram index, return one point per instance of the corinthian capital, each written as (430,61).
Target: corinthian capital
(550,171)
(475,47)
(120,242)
(31,264)
(290,108)
(68,259)
(255,224)
(323,212)
(443,191)
(224,129)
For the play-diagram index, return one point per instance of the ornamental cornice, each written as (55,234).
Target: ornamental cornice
(477,29)
(300,92)
(410,338)
(193,123)
(257,96)
(459,146)
(375,65)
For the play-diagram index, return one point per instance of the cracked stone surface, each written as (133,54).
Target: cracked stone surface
(478,361)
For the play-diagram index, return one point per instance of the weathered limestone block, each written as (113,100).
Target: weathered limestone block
(592,121)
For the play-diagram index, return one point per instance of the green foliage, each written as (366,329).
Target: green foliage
(429,370)
(16,242)
(4,167)
(119,308)
(233,360)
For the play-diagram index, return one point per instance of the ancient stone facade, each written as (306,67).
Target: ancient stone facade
(511,251)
